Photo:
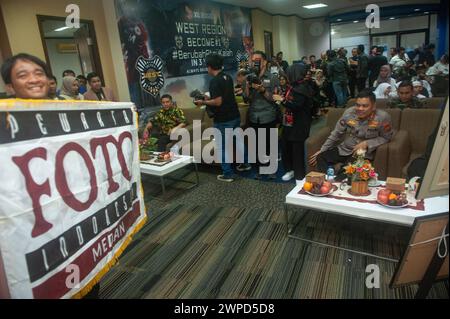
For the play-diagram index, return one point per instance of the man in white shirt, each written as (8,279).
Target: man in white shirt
(440,67)
(399,60)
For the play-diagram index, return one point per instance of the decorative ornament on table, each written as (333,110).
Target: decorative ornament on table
(359,173)
(394,195)
(316,185)
(147,145)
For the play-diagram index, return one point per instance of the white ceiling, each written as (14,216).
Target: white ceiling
(49,26)
(294,7)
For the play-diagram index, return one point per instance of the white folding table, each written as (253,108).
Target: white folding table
(162,171)
(367,211)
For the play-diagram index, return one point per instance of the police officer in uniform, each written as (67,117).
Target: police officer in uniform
(360,127)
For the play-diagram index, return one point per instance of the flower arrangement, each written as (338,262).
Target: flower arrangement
(361,169)
(147,144)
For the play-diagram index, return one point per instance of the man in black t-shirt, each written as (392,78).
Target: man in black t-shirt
(222,103)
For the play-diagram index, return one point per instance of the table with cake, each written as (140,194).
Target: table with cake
(162,164)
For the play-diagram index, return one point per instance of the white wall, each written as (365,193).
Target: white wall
(316,43)
(2,84)
(261,22)
(288,37)
(296,42)
(62,61)
(118,68)
(287,34)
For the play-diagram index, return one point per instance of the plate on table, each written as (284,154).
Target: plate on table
(146,158)
(323,195)
(160,160)
(394,207)
(376,183)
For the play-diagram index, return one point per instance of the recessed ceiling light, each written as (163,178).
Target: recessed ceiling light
(62,29)
(339,20)
(416,10)
(391,18)
(356,21)
(315,6)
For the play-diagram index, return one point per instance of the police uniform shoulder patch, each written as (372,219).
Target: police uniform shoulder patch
(351,122)
(373,124)
(387,126)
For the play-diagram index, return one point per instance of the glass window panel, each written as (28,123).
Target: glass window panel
(349,36)
(402,24)
(386,41)
(411,41)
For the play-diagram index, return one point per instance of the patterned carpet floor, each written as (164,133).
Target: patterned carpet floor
(222,240)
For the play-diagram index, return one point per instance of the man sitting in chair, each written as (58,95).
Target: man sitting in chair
(406,98)
(168,119)
(360,127)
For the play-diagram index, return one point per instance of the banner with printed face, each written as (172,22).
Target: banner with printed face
(70,194)
(165,44)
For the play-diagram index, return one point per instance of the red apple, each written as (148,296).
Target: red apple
(383,196)
(324,189)
(327,184)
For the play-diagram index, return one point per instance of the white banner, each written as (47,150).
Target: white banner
(70,194)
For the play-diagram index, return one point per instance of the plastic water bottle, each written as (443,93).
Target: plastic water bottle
(175,149)
(330,174)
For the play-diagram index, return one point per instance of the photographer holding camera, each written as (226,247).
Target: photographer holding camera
(226,114)
(263,111)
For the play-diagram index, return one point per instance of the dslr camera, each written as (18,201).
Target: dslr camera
(199,96)
(252,78)
(253,75)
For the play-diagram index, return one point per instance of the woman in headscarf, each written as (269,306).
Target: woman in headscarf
(385,77)
(418,89)
(69,89)
(296,122)
(382,91)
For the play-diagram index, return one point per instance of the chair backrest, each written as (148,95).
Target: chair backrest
(192,114)
(351,102)
(396,115)
(419,124)
(434,102)
(381,103)
(333,115)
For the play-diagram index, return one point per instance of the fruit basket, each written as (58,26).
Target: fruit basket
(392,199)
(164,157)
(319,189)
